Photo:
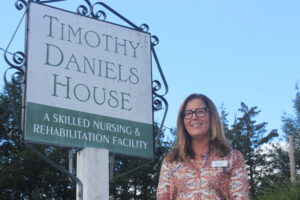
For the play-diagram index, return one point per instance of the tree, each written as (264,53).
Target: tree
(247,136)
(286,190)
(22,174)
(137,178)
(10,113)
(291,126)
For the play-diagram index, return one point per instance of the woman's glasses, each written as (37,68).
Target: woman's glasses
(199,112)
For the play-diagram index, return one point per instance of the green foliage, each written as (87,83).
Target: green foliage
(137,178)
(284,191)
(10,105)
(22,174)
(275,168)
(247,136)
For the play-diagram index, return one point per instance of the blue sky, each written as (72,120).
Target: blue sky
(231,51)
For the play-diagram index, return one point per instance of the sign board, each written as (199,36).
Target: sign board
(88,83)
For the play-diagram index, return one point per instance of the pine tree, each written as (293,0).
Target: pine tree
(276,166)
(247,136)
(22,174)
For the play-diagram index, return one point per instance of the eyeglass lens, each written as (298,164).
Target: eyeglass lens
(200,112)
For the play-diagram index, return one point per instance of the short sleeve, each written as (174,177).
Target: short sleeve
(239,183)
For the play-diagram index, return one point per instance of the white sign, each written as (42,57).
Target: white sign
(88,83)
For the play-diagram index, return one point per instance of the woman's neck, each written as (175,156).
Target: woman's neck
(200,147)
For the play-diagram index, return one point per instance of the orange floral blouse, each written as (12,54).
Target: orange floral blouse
(215,178)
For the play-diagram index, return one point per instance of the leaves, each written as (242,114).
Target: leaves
(140,176)
(22,174)
(247,136)
(284,191)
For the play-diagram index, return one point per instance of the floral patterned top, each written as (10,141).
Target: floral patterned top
(214,178)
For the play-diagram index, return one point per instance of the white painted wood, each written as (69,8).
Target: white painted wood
(93,171)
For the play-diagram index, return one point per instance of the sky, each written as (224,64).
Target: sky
(233,51)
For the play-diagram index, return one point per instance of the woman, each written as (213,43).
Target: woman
(201,165)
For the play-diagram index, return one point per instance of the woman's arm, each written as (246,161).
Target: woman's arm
(164,184)
(239,183)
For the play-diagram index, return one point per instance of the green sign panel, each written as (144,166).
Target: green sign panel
(78,129)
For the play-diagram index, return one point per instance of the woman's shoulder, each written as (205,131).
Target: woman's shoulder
(175,164)
(172,162)
(237,158)
(236,153)
(232,153)
(172,166)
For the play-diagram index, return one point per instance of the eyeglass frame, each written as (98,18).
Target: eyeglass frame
(205,109)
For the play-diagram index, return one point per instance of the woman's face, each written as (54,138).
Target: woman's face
(197,126)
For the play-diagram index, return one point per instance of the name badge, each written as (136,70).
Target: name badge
(219,163)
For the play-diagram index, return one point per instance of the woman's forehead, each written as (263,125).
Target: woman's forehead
(195,103)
